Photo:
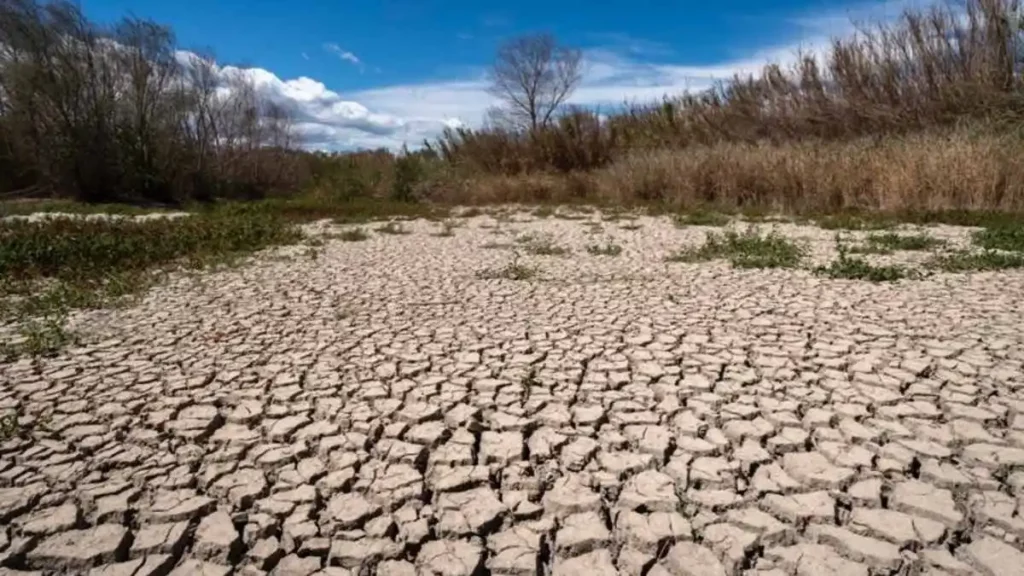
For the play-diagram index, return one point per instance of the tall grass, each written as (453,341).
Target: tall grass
(937,170)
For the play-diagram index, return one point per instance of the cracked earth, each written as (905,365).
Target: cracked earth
(381,409)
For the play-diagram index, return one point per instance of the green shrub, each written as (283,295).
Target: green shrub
(852,268)
(1001,237)
(751,249)
(77,248)
(964,261)
(894,241)
(409,172)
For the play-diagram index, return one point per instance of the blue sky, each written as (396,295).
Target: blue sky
(367,74)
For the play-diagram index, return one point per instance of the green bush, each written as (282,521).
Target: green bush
(1001,237)
(408,174)
(78,248)
(750,249)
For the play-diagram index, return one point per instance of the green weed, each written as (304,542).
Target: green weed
(9,427)
(964,261)
(701,218)
(751,249)
(893,241)
(1001,237)
(511,271)
(608,249)
(853,268)
(856,222)
(541,245)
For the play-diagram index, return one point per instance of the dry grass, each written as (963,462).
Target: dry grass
(933,171)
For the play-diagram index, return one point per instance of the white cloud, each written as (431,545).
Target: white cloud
(343,54)
(391,116)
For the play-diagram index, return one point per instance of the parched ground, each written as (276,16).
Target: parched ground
(377,407)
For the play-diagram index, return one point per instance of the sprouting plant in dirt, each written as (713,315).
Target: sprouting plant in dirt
(514,270)
(893,241)
(1008,237)
(701,218)
(854,268)
(607,249)
(541,245)
(967,261)
(750,249)
(9,426)
(846,221)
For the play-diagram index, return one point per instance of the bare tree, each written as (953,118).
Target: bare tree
(533,75)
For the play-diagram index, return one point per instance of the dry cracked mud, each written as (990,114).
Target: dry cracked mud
(382,409)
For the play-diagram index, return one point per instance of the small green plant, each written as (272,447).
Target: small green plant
(853,268)
(750,249)
(893,241)
(1001,237)
(701,218)
(762,216)
(868,248)
(353,235)
(44,336)
(511,271)
(965,261)
(607,249)
(541,245)
(614,214)
(9,426)
(392,228)
(855,222)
